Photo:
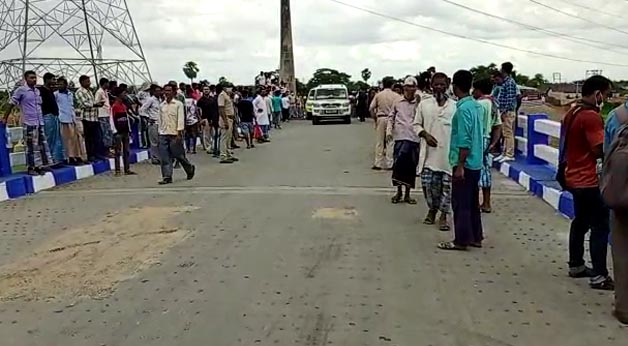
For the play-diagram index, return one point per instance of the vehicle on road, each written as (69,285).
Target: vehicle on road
(329,102)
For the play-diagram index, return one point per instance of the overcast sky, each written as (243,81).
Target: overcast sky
(238,38)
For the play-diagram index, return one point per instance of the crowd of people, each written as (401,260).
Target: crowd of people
(449,131)
(75,127)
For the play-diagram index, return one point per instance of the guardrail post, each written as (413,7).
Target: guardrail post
(535,138)
(518,129)
(5,160)
(135,134)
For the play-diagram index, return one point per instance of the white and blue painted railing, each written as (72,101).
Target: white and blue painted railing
(17,184)
(537,160)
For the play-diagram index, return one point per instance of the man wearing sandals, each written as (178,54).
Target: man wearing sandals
(466,155)
(432,124)
(406,151)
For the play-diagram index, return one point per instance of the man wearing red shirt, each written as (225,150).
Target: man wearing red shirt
(120,117)
(583,134)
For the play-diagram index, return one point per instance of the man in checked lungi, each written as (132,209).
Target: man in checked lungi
(406,149)
(433,125)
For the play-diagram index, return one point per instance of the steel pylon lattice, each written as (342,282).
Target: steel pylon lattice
(70,38)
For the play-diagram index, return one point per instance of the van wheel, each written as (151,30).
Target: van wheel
(348,119)
(315,121)
(308,116)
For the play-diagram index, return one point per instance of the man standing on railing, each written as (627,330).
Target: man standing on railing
(50,111)
(28,99)
(507,101)
(582,142)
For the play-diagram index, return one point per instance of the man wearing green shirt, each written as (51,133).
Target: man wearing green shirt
(492,124)
(466,155)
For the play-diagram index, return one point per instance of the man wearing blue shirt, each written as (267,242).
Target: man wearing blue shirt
(466,155)
(616,118)
(507,102)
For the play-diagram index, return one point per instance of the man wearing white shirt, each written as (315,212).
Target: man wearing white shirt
(433,124)
(171,125)
(101,100)
(150,110)
(262,114)
(285,106)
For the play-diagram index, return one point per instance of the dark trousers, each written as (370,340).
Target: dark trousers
(93,140)
(121,142)
(171,149)
(465,204)
(619,246)
(285,114)
(591,214)
(216,141)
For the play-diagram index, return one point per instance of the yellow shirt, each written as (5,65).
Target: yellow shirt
(171,118)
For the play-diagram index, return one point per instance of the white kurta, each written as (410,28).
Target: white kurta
(435,120)
(261,110)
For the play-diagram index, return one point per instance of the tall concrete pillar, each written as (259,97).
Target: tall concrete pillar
(286,57)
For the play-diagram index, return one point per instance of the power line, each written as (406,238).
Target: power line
(589,8)
(578,17)
(472,38)
(592,43)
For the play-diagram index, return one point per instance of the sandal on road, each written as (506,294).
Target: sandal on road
(450,246)
(486,210)
(476,245)
(396,199)
(410,200)
(443,225)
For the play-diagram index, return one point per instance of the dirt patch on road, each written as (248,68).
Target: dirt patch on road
(89,260)
(335,213)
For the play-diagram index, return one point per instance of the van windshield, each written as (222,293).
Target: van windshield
(323,94)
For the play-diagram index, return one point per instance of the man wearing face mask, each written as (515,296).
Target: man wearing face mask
(582,144)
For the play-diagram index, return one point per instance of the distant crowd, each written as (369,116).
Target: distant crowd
(62,126)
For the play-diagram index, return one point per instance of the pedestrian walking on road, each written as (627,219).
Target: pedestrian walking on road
(406,148)
(492,132)
(171,131)
(433,125)
(582,147)
(381,106)
(466,154)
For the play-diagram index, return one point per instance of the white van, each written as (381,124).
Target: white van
(329,102)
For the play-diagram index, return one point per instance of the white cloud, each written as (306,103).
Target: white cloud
(239,38)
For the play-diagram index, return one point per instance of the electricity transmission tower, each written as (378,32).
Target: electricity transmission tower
(286,59)
(70,38)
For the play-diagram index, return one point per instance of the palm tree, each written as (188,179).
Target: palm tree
(191,70)
(366,75)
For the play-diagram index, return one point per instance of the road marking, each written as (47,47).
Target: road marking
(247,190)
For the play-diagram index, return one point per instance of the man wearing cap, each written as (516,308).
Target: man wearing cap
(406,150)
(381,107)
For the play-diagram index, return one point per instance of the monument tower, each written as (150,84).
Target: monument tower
(70,38)
(286,63)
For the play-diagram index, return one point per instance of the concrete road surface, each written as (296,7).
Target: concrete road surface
(298,244)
